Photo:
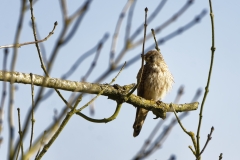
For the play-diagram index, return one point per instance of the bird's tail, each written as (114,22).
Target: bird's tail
(141,115)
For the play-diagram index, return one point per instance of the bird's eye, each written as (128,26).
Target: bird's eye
(151,58)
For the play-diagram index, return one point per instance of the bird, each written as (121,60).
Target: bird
(156,81)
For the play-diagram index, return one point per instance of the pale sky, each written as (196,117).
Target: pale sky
(187,55)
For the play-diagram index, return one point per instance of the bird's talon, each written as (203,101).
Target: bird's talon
(156,117)
(159,102)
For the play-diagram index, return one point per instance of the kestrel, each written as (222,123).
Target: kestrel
(156,82)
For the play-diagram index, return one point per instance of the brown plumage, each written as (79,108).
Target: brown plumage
(156,82)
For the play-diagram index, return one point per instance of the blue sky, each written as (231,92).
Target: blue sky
(187,55)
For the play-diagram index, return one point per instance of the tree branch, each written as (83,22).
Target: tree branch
(114,92)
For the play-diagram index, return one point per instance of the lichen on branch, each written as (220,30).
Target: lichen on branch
(114,92)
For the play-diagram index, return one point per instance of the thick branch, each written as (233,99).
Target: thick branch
(114,92)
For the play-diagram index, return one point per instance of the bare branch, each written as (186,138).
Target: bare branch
(208,139)
(104,120)
(113,92)
(150,18)
(32,119)
(168,22)
(56,134)
(142,55)
(160,42)
(129,22)
(220,156)
(4,92)
(18,45)
(94,62)
(129,42)
(117,30)
(190,133)
(213,48)
(20,134)
(102,91)
(12,87)
(144,152)
(79,15)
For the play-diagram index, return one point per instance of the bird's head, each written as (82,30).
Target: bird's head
(153,57)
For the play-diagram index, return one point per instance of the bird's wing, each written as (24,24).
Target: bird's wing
(141,113)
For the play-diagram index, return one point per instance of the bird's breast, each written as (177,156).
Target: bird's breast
(157,83)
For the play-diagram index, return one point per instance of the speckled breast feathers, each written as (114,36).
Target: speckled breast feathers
(156,78)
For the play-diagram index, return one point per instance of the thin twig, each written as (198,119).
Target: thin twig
(56,48)
(180,93)
(197,95)
(191,134)
(61,40)
(172,157)
(79,15)
(156,44)
(38,49)
(150,18)
(220,156)
(41,45)
(59,130)
(41,144)
(92,110)
(64,10)
(168,22)
(35,38)
(156,144)
(47,133)
(4,91)
(193,150)
(51,129)
(129,43)
(142,152)
(142,55)
(132,45)
(91,101)
(84,78)
(160,139)
(28,7)
(209,137)
(117,30)
(84,56)
(172,35)
(12,87)
(77,63)
(79,11)
(104,120)
(40,92)
(101,92)
(18,45)
(20,134)
(208,81)
(129,23)
(160,42)
(195,99)
(32,119)
(94,63)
